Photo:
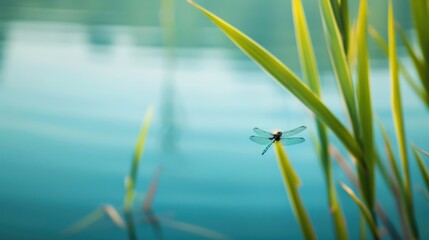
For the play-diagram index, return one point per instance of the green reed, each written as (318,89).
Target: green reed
(292,182)
(420,56)
(356,94)
(310,72)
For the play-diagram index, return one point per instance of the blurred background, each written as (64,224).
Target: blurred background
(76,78)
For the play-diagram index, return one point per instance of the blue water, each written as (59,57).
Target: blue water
(70,115)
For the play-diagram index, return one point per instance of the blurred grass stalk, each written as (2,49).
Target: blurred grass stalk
(422,167)
(357,98)
(130,180)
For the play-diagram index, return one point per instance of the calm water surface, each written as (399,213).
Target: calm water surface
(70,114)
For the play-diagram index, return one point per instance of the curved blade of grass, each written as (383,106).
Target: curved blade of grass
(393,185)
(363,209)
(423,151)
(309,67)
(148,200)
(132,177)
(339,62)
(191,228)
(291,186)
(413,55)
(391,156)
(86,221)
(420,13)
(378,208)
(114,215)
(366,171)
(424,97)
(96,215)
(418,64)
(422,167)
(286,78)
(398,118)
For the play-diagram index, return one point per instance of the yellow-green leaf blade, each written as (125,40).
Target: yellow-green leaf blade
(418,63)
(398,118)
(86,221)
(339,61)
(363,209)
(289,179)
(391,157)
(424,97)
(132,177)
(397,103)
(310,72)
(420,13)
(285,78)
(422,167)
(366,176)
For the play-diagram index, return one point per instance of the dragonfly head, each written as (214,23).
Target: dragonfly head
(277,135)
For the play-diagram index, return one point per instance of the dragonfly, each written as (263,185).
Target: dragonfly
(267,138)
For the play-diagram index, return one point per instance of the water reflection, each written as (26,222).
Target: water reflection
(170,98)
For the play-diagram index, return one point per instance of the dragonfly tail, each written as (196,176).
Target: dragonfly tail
(267,147)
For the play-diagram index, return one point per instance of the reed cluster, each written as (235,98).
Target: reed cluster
(359,140)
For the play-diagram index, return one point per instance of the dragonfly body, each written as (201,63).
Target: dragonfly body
(276,136)
(267,138)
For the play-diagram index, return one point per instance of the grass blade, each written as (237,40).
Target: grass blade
(397,104)
(96,215)
(366,172)
(398,195)
(364,210)
(291,185)
(423,151)
(345,27)
(150,195)
(420,13)
(341,14)
(424,97)
(352,49)
(339,62)
(391,157)
(422,167)
(398,118)
(285,78)
(378,208)
(191,228)
(310,72)
(418,64)
(86,221)
(132,177)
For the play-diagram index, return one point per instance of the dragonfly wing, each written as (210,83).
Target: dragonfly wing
(291,141)
(260,140)
(293,131)
(262,133)
(266,148)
